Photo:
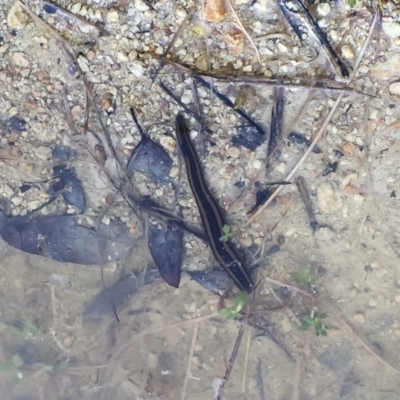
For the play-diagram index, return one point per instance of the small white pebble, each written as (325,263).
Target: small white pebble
(186,97)
(394,88)
(372,303)
(113,16)
(323,9)
(16,200)
(43,153)
(234,152)
(347,52)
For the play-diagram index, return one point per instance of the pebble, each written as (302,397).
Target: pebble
(141,6)
(68,341)
(323,9)
(387,69)
(8,191)
(174,172)
(122,57)
(394,88)
(16,17)
(43,153)
(373,303)
(17,123)
(137,69)
(328,200)
(186,97)
(234,152)
(113,16)
(76,8)
(397,298)
(349,148)
(168,143)
(201,63)
(391,29)
(20,60)
(360,318)
(347,52)
(16,200)
(132,55)
(396,41)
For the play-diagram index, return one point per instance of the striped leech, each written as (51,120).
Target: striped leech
(210,213)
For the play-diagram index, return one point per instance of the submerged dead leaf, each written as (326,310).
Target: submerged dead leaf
(235,41)
(215,10)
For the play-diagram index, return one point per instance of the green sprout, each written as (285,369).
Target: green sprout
(352,3)
(232,312)
(317,321)
(29,329)
(227,233)
(14,367)
(55,366)
(302,277)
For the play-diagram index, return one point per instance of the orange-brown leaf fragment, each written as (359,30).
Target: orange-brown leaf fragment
(235,41)
(215,10)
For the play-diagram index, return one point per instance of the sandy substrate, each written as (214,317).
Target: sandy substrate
(171,343)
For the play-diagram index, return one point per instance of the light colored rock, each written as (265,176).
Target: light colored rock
(16,18)
(391,29)
(8,191)
(323,9)
(328,199)
(43,152)
(394,88)
(20,60)
(396,41)
(234,152)
(132,55)
(347,52)
(16,200)
(187,97)
(360,318)
(113,16)
(76,8)
(137,69)
(387,69)
(140,5)
(122,57)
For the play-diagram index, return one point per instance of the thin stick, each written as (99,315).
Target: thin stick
(321,130)
(220,390)
(246,361)
(190,360)
(243,29)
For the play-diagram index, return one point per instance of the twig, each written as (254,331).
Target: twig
(220,390)
(242,28)
(190,360)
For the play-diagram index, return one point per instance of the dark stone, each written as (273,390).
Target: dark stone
(18,123)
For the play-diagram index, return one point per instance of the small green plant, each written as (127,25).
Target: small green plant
(227,233)
(352,3)
(14,367)
(302,277)
(28,330)
(317,321)
(232,312)
(55,366)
